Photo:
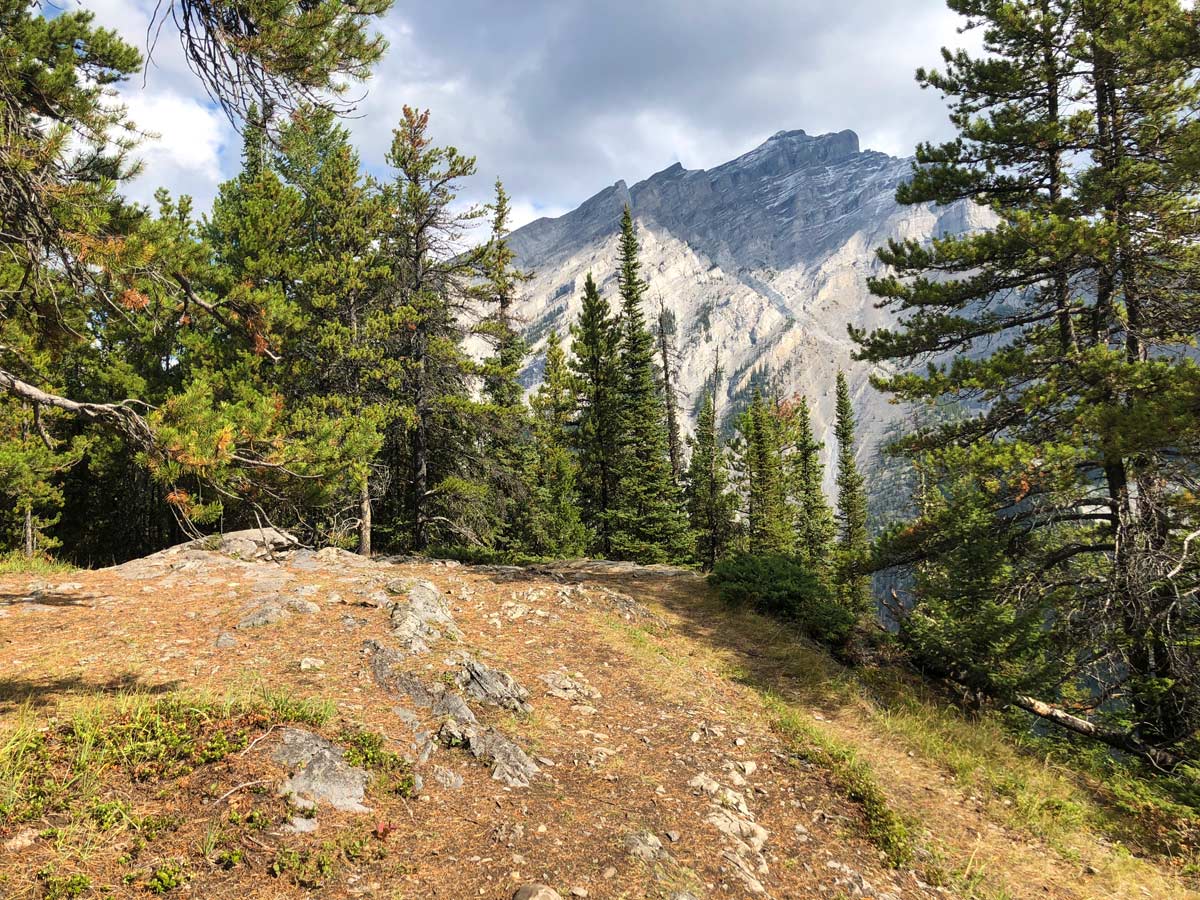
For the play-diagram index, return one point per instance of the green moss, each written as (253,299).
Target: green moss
(366,749)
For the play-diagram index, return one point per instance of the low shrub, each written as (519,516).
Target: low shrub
(782,587)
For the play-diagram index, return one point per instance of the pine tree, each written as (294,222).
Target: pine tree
(853,588)
(343,365)
(760,453)
(86,261)
(594,340)
(815,528)
(552,524)
(710,502)
(647,517)
(1067,320)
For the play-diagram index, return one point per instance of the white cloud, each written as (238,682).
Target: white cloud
(562,99)
(185,156)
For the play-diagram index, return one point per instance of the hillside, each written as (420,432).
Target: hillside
(763,261)
(603,729)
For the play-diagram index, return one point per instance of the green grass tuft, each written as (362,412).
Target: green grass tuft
(885,828)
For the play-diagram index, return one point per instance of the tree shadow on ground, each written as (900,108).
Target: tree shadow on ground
(44,598)
(760,652)
(38,693)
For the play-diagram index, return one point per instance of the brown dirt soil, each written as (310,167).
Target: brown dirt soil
(681,696)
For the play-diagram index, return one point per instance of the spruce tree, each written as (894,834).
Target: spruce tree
(553,523)
(710,502)
(760,450)
(664,336)
(343,366)
(594,340)
(853,587)
(815,528)
(647,517)
(438,489)
(506,438)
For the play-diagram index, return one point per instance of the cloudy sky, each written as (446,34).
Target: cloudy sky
(560,98)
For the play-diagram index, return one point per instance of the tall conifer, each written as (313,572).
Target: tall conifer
(853,587)
(553,523)
(710,502)
(769,516)
(648,523)
(815,528)
(1067,320)
(594,340)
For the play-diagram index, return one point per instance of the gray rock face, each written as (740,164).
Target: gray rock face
(320,773)
(508,761)
(264,615)
(763,261)
(481,682)
(442,702)
(563,686)
(422,617)
(646,846)
(247,544)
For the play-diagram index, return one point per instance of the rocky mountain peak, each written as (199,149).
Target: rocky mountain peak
(763,259)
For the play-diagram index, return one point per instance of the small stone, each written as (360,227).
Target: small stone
(536,892)
(304,607)
(610,872)
(447,778)
(645,846)
(225,640)
(672,836)
(264,615)
(579,892)
(300,825)
(23,840)
(311,664)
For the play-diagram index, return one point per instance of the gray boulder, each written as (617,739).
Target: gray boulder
(508,761)
(422,617)
(247,544)
(481,682)
(320,773)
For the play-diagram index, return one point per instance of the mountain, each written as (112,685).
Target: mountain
(763,261)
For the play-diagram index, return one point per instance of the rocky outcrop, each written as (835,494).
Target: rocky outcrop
(421,616)
(763,261)
(320,773)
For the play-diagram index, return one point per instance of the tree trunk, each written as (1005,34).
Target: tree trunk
(364,519)
(30,543)
(1120,740)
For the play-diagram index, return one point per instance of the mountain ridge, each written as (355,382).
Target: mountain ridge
(763,259)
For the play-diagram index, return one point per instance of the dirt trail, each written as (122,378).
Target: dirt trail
(963,830)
